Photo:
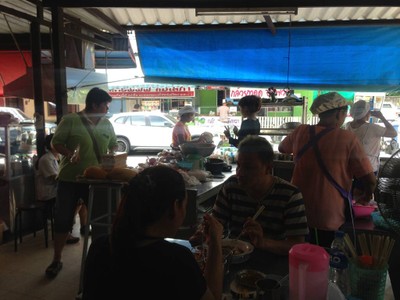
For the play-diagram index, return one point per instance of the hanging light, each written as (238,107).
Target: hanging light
(290,96)
(246,11)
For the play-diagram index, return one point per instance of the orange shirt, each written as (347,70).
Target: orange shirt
(180,129)
(343,156)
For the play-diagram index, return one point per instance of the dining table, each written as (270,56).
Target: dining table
(272,265)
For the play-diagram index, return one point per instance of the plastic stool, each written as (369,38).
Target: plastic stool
(34,207)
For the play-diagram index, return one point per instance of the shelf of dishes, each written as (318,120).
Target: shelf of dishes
(17,148)
(19,165)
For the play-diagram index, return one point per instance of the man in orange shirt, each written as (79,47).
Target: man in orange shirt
(340,153)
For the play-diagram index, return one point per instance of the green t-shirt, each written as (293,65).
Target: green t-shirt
(72,132)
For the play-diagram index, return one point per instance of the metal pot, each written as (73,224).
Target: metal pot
(215,165)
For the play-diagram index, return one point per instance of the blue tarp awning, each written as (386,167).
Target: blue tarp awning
(365,58)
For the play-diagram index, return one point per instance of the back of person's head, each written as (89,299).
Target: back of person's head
(258,145)
(327,104)
(359,109)
(252,102)
(47,141)
(47,144)
(149,196)
(186,110)
(136,106)
(97,96)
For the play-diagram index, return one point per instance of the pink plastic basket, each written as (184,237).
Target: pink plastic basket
(363,211)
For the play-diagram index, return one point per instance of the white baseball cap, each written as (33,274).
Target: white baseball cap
(359,109)
(186,110)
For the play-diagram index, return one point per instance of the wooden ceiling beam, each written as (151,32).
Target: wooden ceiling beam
(77,21)
(19,14)
(76,34)
(262,25)
(270,24)
(99,14)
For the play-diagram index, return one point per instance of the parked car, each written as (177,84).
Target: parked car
(27,123)
(143,130)
(147,130)
(389,145)
(389,110)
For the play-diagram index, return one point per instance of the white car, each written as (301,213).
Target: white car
(389,110)
(146,130)
(26,122)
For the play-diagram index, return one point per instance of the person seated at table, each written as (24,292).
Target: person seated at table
(282,223)
(136,258)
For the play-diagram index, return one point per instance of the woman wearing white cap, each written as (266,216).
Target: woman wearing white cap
(181,132)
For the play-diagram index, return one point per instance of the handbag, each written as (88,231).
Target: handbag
(90,131)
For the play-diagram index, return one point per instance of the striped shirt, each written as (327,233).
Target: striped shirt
(283,216)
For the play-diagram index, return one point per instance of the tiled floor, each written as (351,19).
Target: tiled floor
(22,273)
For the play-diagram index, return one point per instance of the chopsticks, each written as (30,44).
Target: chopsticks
(374,252)
(258,212)
(255,216)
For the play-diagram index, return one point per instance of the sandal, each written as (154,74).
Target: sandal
(54,268)
(72,240)
(83,230)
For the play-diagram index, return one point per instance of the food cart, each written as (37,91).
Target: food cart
(16,168)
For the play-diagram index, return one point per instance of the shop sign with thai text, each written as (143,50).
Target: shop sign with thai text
(237,93)
(211,121)
(153,91)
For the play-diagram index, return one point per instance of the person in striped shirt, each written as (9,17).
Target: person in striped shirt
(282,223)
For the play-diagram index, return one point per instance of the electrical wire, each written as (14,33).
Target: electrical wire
(289,47)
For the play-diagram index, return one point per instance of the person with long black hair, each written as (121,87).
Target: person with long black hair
(137,259)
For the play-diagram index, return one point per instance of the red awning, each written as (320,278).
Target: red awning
(12,66)
(22,87)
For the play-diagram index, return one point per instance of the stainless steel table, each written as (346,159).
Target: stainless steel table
(210,189)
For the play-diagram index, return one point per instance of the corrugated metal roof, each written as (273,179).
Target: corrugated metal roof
(136,18)
(15,13)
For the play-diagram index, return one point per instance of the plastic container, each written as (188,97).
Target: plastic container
(339,264)
(363,211)
(368,284)
(308,272)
